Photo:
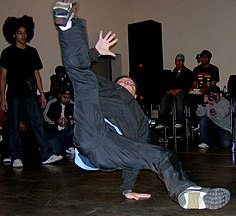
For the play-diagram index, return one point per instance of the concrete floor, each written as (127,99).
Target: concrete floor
(64,189)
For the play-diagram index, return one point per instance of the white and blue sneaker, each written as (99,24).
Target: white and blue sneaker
(204,198)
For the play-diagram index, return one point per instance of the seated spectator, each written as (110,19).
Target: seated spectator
(55,88)
(214,115)
(59,123)
(179,86)
(61,73)
(204,76)
(4,138)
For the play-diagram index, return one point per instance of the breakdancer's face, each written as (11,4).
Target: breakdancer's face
(128,84)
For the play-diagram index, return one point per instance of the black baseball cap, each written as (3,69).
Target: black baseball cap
(206,53)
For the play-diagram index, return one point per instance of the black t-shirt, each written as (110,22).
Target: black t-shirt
(204,76)
(20,65)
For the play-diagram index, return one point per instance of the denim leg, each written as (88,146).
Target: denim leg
(166,105)
(193,101)
(68,138)
(55,141)
(179,98)
(225,138)
(14,109)
(6,150)
(204,130)
(36,119)
(62,140)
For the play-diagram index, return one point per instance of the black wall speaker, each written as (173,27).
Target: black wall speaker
(232,86)
(146,59)
(108,67)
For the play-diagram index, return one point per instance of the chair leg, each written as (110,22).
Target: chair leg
(174,122)
(165,137)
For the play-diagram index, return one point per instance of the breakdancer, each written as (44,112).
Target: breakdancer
(100,105)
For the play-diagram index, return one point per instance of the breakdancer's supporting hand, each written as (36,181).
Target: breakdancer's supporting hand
(137,196)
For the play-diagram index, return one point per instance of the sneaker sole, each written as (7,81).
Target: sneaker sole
(214,199)
(17,166)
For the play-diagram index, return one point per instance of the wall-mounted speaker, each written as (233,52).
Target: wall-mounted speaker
(146,59)
(232,86)
(108,67)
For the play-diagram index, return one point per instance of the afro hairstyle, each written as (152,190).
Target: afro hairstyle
(12,24)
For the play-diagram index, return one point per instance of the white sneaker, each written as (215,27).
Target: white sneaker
(159,127)
(203,146)
(53,159)
(70,150)
(17,163)
(178,126)
(203,198)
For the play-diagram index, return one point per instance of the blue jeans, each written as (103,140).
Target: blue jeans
(166,106)
(29,106)
(62,140)
(208,130)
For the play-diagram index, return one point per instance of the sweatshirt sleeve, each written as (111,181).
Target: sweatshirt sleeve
(201,110)
(129,178)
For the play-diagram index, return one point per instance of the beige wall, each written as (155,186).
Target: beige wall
(188,26)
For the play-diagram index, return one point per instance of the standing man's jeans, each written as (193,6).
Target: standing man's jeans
(209,129)
(29,106)
(62,140)
(166,106)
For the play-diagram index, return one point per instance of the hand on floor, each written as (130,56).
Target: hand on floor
(137,196)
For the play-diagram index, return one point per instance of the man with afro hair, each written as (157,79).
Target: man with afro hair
(20,65)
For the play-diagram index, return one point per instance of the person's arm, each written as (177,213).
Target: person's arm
(143,130)
(195,78)
(194,85)
(129,179)
(215,77)
(202,108)
(213,83)
(3,81)
(47,113)
(40,88)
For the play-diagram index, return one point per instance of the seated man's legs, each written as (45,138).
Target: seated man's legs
(205,123)
(209,130)
(68,139)
(166,105)
(193,101)
(179,98)
(225,138)
(55,142)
